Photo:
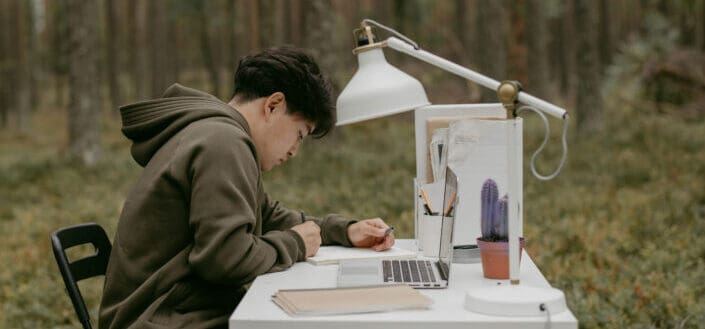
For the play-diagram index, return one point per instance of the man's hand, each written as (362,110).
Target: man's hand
(310,232)
(369,233)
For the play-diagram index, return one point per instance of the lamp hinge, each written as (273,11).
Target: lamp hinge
(508,92)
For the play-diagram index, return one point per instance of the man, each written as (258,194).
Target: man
(197,226)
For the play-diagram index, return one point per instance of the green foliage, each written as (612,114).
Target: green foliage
(655,73)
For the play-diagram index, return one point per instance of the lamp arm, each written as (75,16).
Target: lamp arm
(404,47)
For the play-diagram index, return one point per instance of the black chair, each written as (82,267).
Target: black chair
(83,268)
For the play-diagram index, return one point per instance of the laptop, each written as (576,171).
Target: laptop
(417,273)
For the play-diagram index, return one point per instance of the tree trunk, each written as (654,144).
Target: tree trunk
(492,35)
(85,105)
(172,53)
(35,19)
(207,52)
(321,39)
(516,46)
(296,22)
(24,102)
(160,53)
(133,51)
(143,71)
(278,22)
(537,57)
(589,99)
(6,95)
(605,36)
(113,52)
(19,78)
(463,28)
(700,25)
(253,20)
(406,17)
(232,37)
(59,50)
(567,47)
(348,12)
(467,56)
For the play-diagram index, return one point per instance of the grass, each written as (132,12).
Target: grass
(618,231)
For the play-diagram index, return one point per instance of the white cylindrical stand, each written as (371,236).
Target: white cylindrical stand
(515,300)
(514,195)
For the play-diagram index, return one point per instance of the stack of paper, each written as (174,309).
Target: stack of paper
(333,254)
(311,302)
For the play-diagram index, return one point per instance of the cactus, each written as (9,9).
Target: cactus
(493,221)
(502,229)
(488,206)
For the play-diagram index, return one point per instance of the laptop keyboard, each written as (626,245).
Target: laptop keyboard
(411,270)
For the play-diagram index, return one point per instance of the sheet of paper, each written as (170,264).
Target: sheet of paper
(477,150)
(332,254)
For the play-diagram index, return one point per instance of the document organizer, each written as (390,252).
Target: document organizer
(480,152)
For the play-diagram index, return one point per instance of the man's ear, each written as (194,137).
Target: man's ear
(275,101)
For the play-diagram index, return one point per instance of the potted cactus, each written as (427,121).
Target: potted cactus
(494,242)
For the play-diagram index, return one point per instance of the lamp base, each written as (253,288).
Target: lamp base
(515,300)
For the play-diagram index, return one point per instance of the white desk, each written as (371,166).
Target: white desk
(257,311)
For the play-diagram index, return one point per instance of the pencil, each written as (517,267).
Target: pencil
(388,231)
(450,205)
(426,201)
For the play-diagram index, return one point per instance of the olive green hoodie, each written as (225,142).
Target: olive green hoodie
(197,226)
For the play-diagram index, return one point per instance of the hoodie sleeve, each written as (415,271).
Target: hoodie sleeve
(334,228)
(223,176)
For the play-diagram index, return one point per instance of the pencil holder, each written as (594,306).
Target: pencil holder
(435,195)
(430,235)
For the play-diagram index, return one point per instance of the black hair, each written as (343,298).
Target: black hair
(294,73)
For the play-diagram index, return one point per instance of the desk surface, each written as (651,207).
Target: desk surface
(257,311)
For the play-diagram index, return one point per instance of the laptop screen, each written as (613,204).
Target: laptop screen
(450,203)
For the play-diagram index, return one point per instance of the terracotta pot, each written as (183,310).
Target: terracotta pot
(495,258)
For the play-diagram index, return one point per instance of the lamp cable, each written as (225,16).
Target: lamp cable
(564,143)
(392,31)
(544,308)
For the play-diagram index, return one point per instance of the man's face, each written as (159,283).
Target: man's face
(283,136)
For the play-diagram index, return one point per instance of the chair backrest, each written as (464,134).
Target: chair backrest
(83,268)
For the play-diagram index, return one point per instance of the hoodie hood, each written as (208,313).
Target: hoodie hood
(150,124)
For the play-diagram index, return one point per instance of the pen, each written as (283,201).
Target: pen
(388,231)
(426,201)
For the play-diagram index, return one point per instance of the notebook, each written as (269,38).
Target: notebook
(418,273)
(328,301)
(327,255)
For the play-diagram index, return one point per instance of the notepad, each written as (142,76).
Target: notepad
(327,255)
(329,301)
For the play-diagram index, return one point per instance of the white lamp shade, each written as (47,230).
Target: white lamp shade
(378,89)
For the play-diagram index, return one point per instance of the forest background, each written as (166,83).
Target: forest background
(618,231)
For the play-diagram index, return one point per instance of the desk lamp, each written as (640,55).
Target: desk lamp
(379,89)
